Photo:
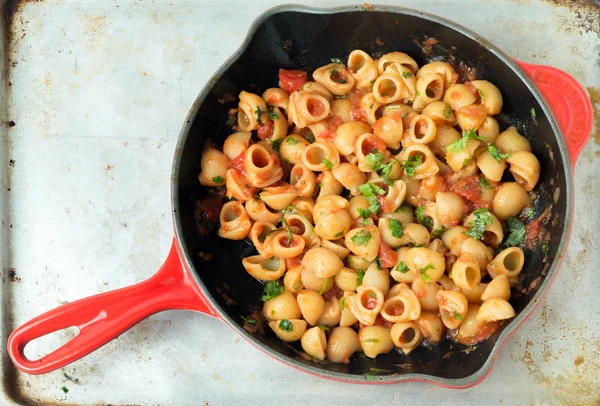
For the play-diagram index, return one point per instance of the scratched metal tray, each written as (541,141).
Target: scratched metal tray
(93,97)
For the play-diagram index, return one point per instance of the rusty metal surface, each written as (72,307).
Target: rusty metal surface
(97,92)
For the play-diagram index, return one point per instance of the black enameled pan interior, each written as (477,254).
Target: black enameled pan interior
(293,39)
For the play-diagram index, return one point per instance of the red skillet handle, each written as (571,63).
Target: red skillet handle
(103,317)
(569,102)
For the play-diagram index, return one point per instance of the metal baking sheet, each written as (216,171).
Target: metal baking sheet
(93,97)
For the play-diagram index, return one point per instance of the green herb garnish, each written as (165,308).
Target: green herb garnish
(481,219)
(360,275)
(361,238)
(496,154)
(371,340)
(65,389)
(276,144)
(456,314)
(517,232)
(271,290)
(249,322)
(272,114)
(292,140)
(485,184)
(323,287)
(341,233)
(289,231)
(368,377)
(324,327)
(411,164)
(544,248)
(258,113)
(343,302)
(423,272)
(532,111)
(218,179)
(297,285)
(372,294)
(407,75)
(370,191)
(377,163)
(336,60)
(447,111)
(286,325)
(327,163)
(461,144)
(395,227)
(426,221)
(438,231)
(481,96)
(402,267)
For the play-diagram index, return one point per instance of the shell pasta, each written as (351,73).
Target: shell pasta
(387,206)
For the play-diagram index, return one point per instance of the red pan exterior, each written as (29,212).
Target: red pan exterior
(103,317)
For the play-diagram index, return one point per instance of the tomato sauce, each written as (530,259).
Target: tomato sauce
(371,144)
(238,163)
(292,80)
(333,122)
(533,228)
(468,189)
(380,321)
(371,303)
(294,262)
(356,112)
(387,256)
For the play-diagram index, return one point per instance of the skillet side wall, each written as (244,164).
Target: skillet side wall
(307,41)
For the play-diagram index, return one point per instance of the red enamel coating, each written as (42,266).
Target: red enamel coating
(103,317)
(569,102)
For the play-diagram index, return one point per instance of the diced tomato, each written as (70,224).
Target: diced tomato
(294,262)
(371,303)
(472,88)
(292,80)
(386,207)
(387,256)
(357,114)
(333,122)
(484,330)
(266,130)
(373,143)
(533,228)
(380,321)
(468,188)
(238,163)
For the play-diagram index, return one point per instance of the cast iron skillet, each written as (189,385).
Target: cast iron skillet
(300,37)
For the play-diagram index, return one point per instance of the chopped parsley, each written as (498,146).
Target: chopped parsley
(218,179)
(496,154)
(371,340)
(324,327)
(438,231)
(368,377)
(485,184)
(65,389)
(341,233)
(276,144)
(271,290)
(336,60)
(370,191)
(481,96)
(404,208)
(426,221)
(327,163)
(287,228)
(377,163)
(360,275)
(292,140)
(372,294)
(249,322)
(411,163)
(423,272)
(456,314)
(530,212)
(310,138)
(517,232)
(272,114)
(361,238)
(297,285)
(407,75)
(532,111)
(447,111)
(324,286)
(481,219)
(395,227)
(378,263)
(461,144)
(334,71)
(286,325)
(343,303)
(544,248)
(402,267)
(258,113)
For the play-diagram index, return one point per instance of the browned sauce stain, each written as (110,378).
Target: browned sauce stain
(578,361)
(595,99)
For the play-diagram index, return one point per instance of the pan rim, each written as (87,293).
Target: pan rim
(514,324)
